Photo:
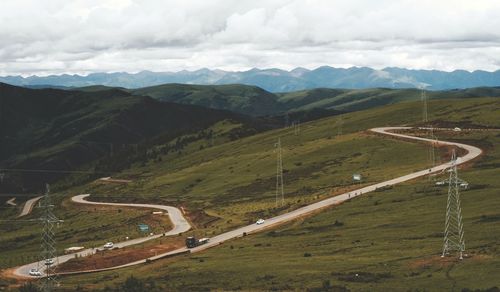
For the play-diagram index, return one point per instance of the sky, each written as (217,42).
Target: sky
(43,37)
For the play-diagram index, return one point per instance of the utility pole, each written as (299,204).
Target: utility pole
(280,195)
(453,230)
(48,252)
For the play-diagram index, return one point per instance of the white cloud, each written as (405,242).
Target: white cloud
(82,36)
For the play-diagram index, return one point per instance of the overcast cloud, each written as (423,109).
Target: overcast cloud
(83,36)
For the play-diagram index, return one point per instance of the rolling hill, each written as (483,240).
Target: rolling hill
(225,182)
(390,238)
(250,100)
(255,101)
(58,130)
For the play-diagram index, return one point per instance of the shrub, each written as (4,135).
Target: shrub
(133,284)
(29,287)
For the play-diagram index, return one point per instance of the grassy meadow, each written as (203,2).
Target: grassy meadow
(391,239)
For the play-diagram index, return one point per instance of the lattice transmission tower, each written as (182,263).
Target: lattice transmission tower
(431,155)
(453,231)
(296,128)
(48,252)
(432,149)
(280,194)
(423,97)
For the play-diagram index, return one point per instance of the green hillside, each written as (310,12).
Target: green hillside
(99,131)
(250,100)
(223,174)
(390,238)
(254,101)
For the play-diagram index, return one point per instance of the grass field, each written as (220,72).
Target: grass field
(386,237)
(83,225)
(391,239)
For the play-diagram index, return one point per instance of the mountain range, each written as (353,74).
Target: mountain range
(275,80)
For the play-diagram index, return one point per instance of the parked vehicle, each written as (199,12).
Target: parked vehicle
(108,245)
(191,241)
(49,262)
(35,273)
(73,249)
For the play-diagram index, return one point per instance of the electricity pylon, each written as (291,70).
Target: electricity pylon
(432,149)
(48,252)
(296,128)
(453,230)
(425,119)
(280,194)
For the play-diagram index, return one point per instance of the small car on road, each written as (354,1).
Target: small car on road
(35,273)
(260,221)
(108,245)
(49,262)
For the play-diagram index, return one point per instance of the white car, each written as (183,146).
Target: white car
(49,262)
(108,245)
(260,221)
(35,273)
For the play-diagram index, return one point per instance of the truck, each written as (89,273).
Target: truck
(191,241)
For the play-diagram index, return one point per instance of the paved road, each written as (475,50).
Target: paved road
(11,202)
(180,225)
(28,206)
(472,152)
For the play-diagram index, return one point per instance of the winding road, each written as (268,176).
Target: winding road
(178,221)
(28,206)
(181,225)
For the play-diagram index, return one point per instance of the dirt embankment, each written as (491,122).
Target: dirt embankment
(117,257)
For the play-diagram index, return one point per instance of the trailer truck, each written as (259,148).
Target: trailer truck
(191,241)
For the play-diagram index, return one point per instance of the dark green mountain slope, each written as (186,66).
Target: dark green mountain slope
(254,101)
(360,99)
(66,130)
(250,100)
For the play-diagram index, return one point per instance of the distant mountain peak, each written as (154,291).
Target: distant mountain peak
(276,80)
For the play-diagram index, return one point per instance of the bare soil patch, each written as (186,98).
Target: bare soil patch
(117,257)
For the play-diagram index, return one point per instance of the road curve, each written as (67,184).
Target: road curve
(28,206)
(472,152)
(178,221)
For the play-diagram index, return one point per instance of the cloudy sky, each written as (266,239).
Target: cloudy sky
(81,36)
